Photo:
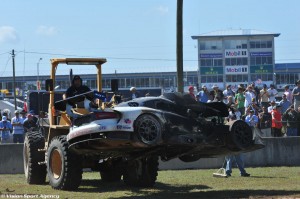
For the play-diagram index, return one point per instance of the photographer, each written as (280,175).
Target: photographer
(5,128)
(265,121)
(291,118)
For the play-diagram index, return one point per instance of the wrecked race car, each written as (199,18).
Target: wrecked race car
(170,126)
(125,139)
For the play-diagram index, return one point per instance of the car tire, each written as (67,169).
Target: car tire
(148,129)
(34,172)
(141,172)
(64,167)
(240,136)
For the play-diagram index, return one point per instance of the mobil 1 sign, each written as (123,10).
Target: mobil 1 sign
(234,70)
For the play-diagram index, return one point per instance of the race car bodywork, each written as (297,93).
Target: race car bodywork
(170,126)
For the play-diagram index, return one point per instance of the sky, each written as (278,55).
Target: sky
(134,35)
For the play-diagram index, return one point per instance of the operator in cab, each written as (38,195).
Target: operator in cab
(76,88)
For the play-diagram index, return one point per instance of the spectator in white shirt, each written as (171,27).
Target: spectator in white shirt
(272,92)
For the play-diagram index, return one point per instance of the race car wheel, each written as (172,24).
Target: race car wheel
(64,167)
(34,173)
(142,172)
(241,136)
(148,129)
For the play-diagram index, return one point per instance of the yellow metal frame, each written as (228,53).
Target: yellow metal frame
(61,129)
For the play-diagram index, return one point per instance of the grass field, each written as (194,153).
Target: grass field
(267,182)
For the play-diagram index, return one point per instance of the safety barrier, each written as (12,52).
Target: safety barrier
(278,152)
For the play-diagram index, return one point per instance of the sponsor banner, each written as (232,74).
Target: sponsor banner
(211,70)
(261,54)
(231,70)
(211,55)
(230,53)
(261,69)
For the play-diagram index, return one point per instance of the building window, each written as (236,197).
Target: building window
(260,44)
(210,79)
(235,44)
(218,62)
(236,61)
(261,60)
(286,78)
(263,77)
(211,62)
(269,44)
(236,78)
(211,45)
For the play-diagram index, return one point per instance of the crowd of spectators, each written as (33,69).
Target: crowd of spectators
(259,107)
(13,130)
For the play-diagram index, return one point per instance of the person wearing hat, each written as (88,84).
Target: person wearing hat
(265,121)
(6,113)
(291,121)
(251,119)
(5,128)
(296,94)
(272,92)
(276,121)
(216,95)
(271,107)
(288,93)
(191,92)
(18,129)
(35,119)
(76,87)
(227,93)
(264,96)
(134,93)
(203,95)
(29,124)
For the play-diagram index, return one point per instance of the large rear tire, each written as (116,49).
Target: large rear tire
(64,167)
(34,173)
(241,135)
(142,172)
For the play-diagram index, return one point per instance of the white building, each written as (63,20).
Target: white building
(236,57)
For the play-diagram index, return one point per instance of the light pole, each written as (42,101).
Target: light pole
(38,73)
(38,85)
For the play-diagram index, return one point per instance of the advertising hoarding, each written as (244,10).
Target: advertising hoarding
(232,53)
(211,70)
(261,69)
(233,70)
(210,55)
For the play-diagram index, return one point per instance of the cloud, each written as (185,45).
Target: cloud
(8,34)
(46,30)
(163,10)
